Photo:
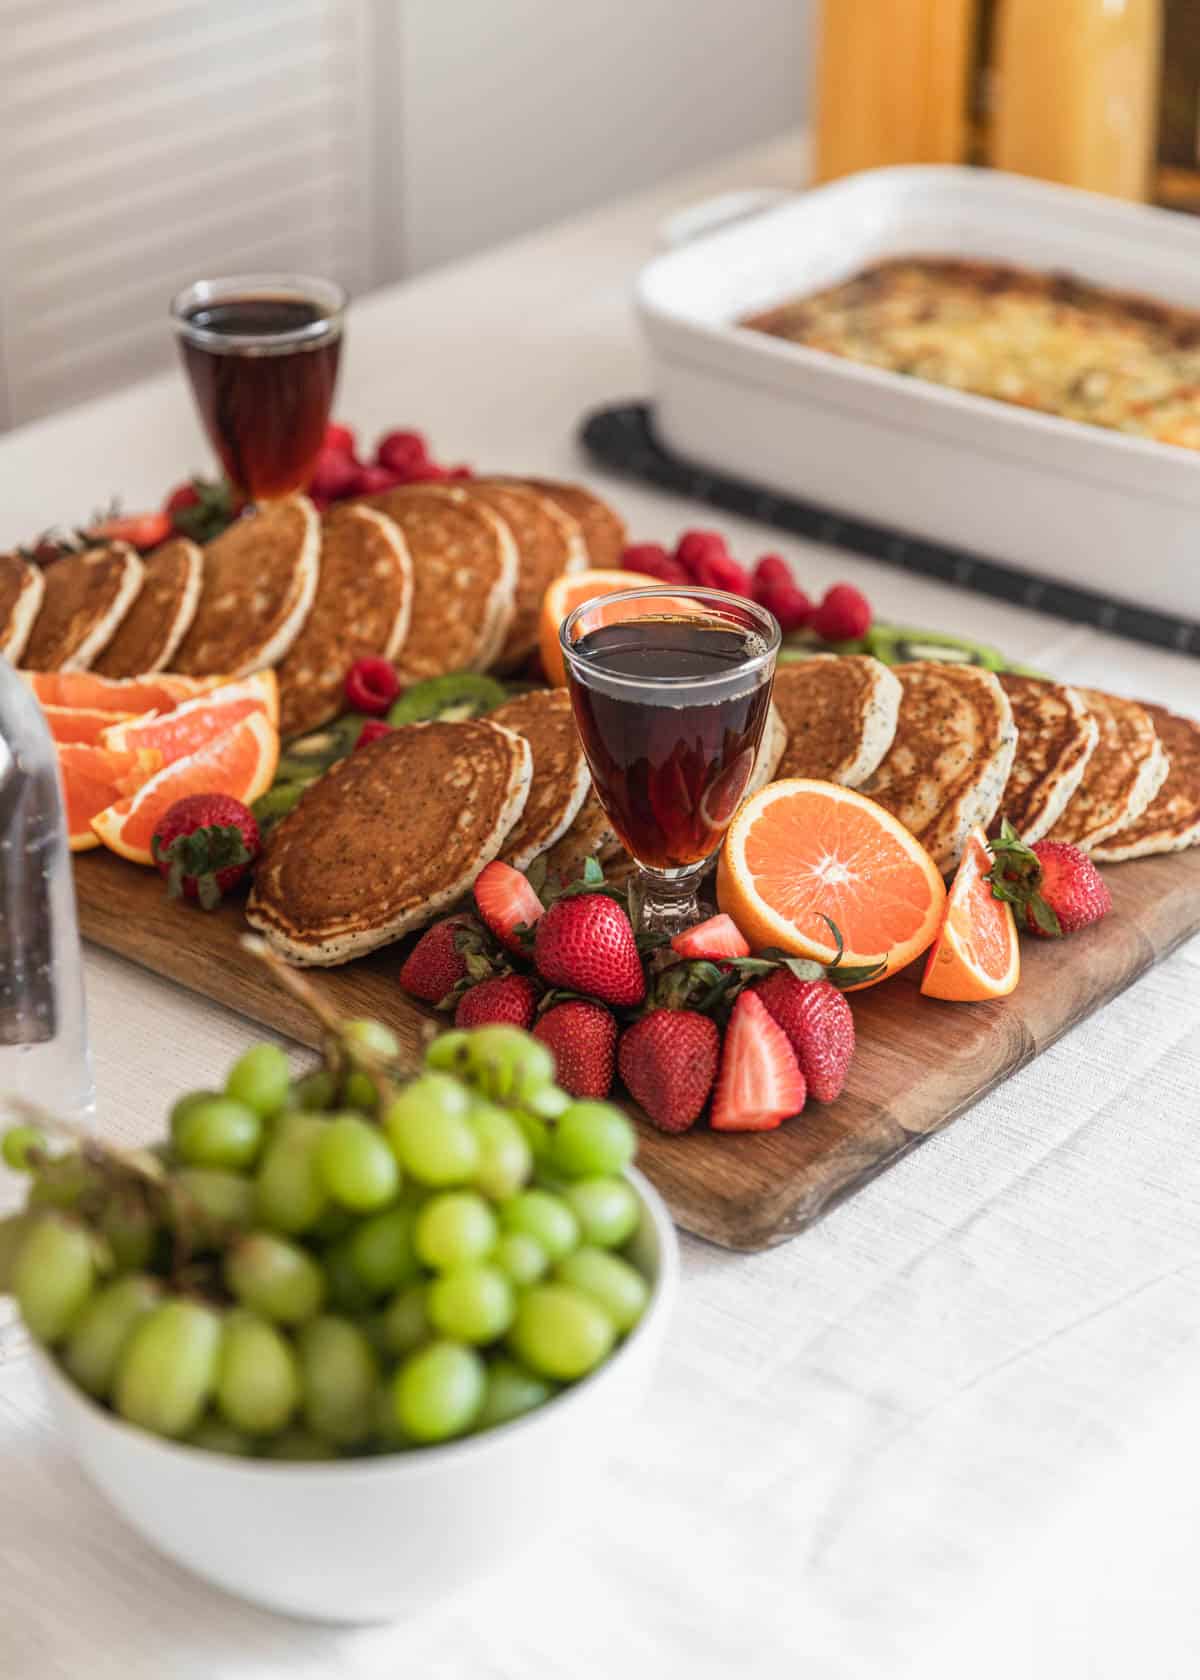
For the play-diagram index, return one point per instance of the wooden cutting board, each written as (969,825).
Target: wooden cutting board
(919,1064)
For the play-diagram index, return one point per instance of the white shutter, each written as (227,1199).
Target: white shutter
(146,143)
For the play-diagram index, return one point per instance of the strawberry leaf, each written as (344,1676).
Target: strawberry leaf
(1016,878)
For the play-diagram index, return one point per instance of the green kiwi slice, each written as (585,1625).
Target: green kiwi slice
(896,646)
(462,694)
(309,756)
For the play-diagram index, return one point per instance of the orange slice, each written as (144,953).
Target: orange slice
(977,954)
(91,779)
(83,724)
(241,761)
(800,849)
(178,733)
(130,694)
(571,590)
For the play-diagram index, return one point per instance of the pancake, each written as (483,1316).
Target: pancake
(549,542)
(560,773)
(21,587)
(156,623)
(950,758)
(387,838)
(1171,821)
(604,533)
(591,835)
(771,749)
(361,609)
(464,564)
(260,577)
(1056,736)
(84,599)
(840,715)
(1126,770)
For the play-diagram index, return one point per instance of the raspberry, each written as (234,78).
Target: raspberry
(776,589)
(721,571)
(456,473)
(339,438)
(403,453)
(334,476)
(694,545)
(653,559)
(374,480)
(371,685)
(372,730)
(843,615)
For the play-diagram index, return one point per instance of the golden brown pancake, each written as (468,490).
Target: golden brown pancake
(84,600)
(21,587)
(1171,821)
(560,774)
(591,835)
(840,716)
(361,609)
(1124,773)
(157,622)
(1056,736)
(387,838)
(260,577)
(603,528)
(464,564)
(549,542)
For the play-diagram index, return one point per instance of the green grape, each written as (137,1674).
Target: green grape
(447,1053)
(168,1368)
(19,1142)
(183,1106)
(610,1281)
(101,1330)
(471,1303)
(438,1391)
(62,1182)
(404,1326)
(54,1275)
(314,1092)
(560,1333)
(511,1391)
(535,1132)
(520,1257)
(129,1228)
(258,1379)
(218,1132)
(593,1139)
(359,1091)
(260,1079)
(373,1037)
(13,1232)
(291,1189)
(426,1124)
(275,1277)
(210,1203)
(453,1228)
(339,1374)
(387,1431)
(381,1250)
(356,1165)
(546,1103)
(336,1222)
(508,1065)
(505,1158)
(213,1434)
(607,1209)
(300,1446)
(544,1217)
(347,1291)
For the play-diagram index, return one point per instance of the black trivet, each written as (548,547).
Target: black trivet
(622,439)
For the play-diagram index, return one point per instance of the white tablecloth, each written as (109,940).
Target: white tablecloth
(949,1428)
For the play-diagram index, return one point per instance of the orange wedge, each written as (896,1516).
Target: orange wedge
(83,724)
(129,694)
(241,761)
(188,727)
(91,779)
(977,954)
(571,590)
(800,850)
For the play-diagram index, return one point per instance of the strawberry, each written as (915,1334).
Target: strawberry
(843,615)
(183,496)
(204,845)
(447,955)
(668,1061)
(819,1027)
(507,904)
(583,1037)
(1052,884)
(585,942)
(711,940)
(141,530)
(509,999)
(340,438)
(775,588)
(653,559)
(760,1083)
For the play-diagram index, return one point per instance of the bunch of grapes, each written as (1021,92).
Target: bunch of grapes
(342,1264)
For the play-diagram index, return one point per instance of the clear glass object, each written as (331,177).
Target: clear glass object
(670,689)
(44,1055)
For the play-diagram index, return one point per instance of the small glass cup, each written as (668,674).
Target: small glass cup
(670,689)
(261,352)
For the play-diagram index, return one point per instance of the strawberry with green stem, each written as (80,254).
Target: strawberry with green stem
(204,846)
(1054,887)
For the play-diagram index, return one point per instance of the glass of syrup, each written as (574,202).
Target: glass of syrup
(262,351)
(670,689)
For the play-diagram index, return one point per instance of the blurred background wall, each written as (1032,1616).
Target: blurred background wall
(146,142)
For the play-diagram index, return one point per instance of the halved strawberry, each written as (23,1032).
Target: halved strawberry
(760,1083)
(711,940)
(506,902)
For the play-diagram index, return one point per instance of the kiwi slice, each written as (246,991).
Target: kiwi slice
(270,807)
(896,646)
(309,756)
(462,694)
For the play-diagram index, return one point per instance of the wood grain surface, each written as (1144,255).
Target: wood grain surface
(919,1064)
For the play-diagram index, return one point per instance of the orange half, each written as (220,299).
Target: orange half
(977,954)
(188,727)
(571,590)
(800,850)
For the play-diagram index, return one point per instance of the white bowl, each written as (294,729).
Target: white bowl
(370,1539)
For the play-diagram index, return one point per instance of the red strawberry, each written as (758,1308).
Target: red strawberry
(183,496)
(448,953)
(716,938)
(507,902)
(141,530)
(776,589)
(583,1037)
(819,1027)
(509,999)
(760,1083)
(653,559)
(335,475)
(1054,885)
(403,453)
(340,438)
(203,846)
(843,615)
(668,1061)
(585,943)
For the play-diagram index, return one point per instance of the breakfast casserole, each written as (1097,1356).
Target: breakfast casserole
(1045,341)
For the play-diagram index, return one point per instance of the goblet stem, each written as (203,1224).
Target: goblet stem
(664,902)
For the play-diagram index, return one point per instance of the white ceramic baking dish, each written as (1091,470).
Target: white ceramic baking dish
(1090,507)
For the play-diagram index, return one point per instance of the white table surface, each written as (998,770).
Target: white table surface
(950,1427)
